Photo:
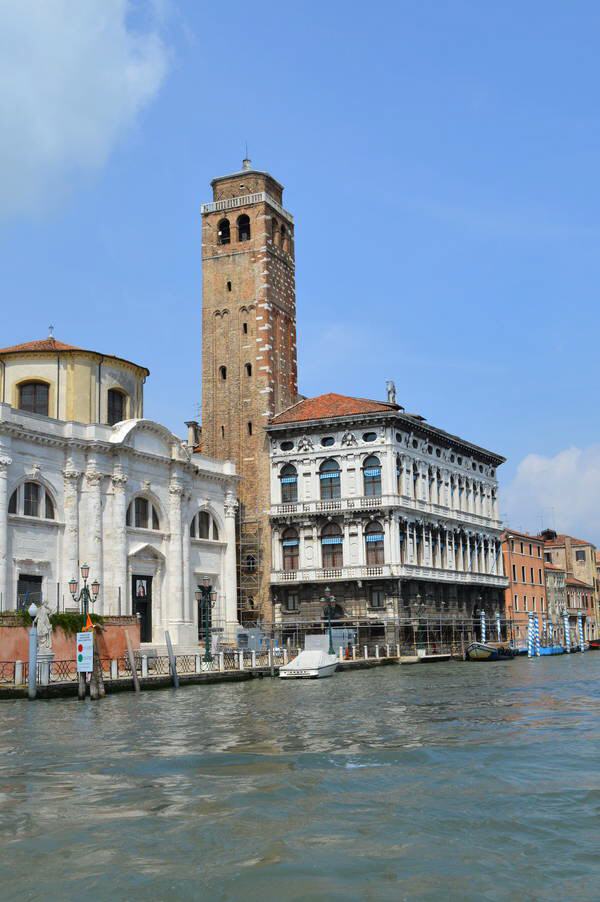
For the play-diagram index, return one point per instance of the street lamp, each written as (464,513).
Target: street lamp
(328,602)
(206,599)
(85,597)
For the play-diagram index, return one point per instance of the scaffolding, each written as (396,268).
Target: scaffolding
(249,563)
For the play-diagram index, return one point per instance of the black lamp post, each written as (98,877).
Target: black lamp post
(85,597)
(206,598)
(328,601)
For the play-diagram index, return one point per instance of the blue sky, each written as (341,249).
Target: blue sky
(440,159)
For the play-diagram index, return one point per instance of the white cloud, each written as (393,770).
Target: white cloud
(74,75)
(562,492)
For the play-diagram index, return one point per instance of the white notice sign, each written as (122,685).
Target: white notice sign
(85,652)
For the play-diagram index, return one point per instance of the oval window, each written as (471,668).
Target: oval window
(399,437)
(328,441)
(438,453)
(286,446)
(369,436)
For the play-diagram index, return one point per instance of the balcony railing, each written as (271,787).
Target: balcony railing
(376,502)
(389,571)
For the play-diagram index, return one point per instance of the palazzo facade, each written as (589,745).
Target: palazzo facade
(111,489)
(395,516)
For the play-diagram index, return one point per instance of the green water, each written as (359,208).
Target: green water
(444,781)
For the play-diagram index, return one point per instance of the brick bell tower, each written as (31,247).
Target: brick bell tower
(249,368)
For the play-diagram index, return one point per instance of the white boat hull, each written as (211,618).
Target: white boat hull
(309,673)
(309,665)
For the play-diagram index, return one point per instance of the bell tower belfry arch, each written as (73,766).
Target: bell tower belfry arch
(249,364)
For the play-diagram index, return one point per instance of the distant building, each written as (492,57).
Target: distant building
(526,591)
(578,558)
(393,514)
(84,478)
(556,591)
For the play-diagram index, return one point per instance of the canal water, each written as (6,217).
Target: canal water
(442,781)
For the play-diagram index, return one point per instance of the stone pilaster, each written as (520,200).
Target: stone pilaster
(93,479)
(177,599)
(71,478)
(231,619)
(5,463)
(119,538)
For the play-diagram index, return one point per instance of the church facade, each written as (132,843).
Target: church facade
(86,479)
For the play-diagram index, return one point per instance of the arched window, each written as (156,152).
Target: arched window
(289,484)
(372,476)
(116,406)
(284,239)
(374,544)
(248,368)
(33,397)
(398,474)
(329,477)
(289,546)
(243,226)
(223,373)
(142,514)
(32,499)
(203,526)
(249,427)
(223,232)
(331,546)
(274,231)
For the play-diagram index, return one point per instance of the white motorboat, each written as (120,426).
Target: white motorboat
(313,664)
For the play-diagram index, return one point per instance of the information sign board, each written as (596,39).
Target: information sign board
(84,652)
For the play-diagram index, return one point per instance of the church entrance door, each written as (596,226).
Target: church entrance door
(141,594)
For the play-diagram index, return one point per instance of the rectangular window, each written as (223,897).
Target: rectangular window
(523,577)
(516,603)
(514,566)
(330,485)
(547,557)
(530,550)
(116,406)
(533,603)
(31,504)
(524,602)
(532,576)
(580,555)
(292,602)
(540,578)
(539,550)
(521,547)
(377,598)
(141,513)
(512,545)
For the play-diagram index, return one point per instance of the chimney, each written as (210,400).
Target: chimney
(193,438)
(391,391)
(246,163)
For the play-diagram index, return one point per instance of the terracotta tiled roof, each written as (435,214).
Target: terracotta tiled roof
(44,344)
(577,582)
(548,566)
(514,533)
(329,406)
(560,540)
(51,344)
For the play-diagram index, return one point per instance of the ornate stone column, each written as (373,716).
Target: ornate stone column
(93,479)
(71,514)
(119,540)
(177,602)
(5,463)
(230,579)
